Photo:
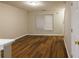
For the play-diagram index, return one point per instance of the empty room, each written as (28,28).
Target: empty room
(38,29)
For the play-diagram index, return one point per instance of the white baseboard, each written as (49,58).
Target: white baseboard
(39,34)
(67,49)
(21,36)
(48,34)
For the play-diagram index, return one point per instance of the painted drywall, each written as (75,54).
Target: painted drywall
(67,30)
(58,27)
(13,21)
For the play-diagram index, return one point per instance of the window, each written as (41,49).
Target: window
(45,22)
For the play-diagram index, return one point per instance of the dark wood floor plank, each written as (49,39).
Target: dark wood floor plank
(39,47)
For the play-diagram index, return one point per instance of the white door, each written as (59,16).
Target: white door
(75,28)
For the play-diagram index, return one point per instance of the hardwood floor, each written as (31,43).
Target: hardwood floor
(39,47)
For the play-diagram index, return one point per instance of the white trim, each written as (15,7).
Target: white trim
(39,34)
(48,34)
(67,49)
(20,36)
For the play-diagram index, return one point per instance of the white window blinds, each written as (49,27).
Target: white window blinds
(45,22)
(48,22)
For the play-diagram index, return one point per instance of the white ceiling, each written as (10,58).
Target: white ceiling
(47,5)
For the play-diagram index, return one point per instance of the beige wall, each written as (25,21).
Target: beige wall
(58,22)
(13,21)
(67,30)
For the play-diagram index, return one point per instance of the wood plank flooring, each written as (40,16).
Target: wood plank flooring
(39,47)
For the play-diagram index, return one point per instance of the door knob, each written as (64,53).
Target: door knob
(77,42)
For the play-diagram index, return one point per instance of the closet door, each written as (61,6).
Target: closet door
(75,29)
